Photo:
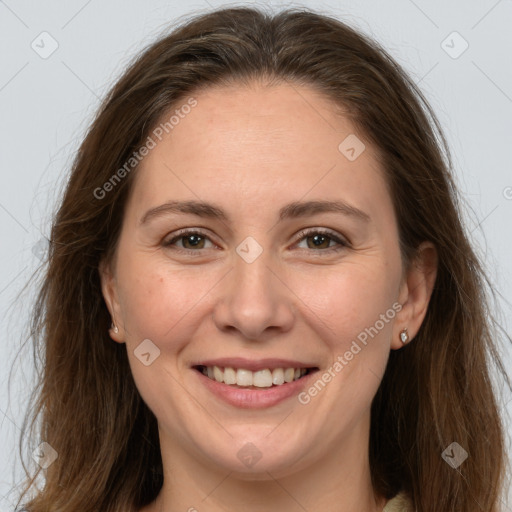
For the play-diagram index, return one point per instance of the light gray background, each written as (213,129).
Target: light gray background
(46,104)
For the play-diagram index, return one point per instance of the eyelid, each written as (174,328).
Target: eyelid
(187,231)
(333,235)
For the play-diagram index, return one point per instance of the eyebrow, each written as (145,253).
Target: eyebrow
(292,210)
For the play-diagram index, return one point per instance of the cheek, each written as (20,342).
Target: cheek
(158,305)
(353,315)
(156,300)
(352,302)
(339,302)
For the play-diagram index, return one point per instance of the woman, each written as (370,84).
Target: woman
(259,290)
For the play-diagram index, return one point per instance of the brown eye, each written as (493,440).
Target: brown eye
(316,240)
(319,239)
(192,241)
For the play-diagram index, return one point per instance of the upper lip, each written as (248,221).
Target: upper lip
(253,364)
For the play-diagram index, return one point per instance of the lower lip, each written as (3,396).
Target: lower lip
(254,398)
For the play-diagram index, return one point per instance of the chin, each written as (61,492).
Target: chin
(254,460)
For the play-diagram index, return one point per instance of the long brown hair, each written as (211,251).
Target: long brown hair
(437,390)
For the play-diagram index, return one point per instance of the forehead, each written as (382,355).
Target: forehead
(258,147)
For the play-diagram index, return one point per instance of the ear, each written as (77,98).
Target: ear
(110,294)
(415,292)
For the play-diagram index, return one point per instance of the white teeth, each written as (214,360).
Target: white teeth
(243,377)
(262,378)
(229,376)
(217,374)
(289,374)
(278,376)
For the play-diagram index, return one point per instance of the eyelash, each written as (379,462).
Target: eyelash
(342,244)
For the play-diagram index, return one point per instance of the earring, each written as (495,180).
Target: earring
(404,337)
(114,328)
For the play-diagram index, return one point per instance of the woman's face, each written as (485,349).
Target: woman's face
(247,170)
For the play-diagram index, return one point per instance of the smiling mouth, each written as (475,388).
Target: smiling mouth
(247,379)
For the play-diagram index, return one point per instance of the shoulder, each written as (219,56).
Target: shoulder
(400,503)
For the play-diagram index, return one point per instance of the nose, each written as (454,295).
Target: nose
(255,300)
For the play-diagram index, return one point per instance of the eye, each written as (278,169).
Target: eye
(190,239)
(193,240)
(321,239)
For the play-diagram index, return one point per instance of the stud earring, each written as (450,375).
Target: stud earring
(404,337)
(114,328)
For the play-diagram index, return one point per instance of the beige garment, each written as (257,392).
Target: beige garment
(400,503)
